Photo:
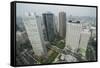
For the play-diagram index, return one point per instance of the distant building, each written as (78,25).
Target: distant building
(56,25)
(93,32)
(33,29)
(48,19)
(19,24)
(84,39)
(62,24)
(73,31)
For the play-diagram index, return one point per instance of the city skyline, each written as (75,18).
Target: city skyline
(49,37)
(23,9)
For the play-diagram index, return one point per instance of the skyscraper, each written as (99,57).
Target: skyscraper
(73,31)
(33,29)
(62,24)
(48,19)
(84,39)
(57,23)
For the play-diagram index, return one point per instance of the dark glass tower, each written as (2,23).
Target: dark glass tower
(48,19)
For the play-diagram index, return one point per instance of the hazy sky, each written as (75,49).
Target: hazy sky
(23,8)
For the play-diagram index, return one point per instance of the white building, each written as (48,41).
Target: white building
(68,58)
(34,34)
(73,31)
(93,32)
(84,39)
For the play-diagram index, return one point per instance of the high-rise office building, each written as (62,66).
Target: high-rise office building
(84,39)
(62,24)
(73,31)
(55,25)
(33,29)
(48,19)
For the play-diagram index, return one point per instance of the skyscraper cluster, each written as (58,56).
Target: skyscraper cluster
(77,38)
(42,28)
